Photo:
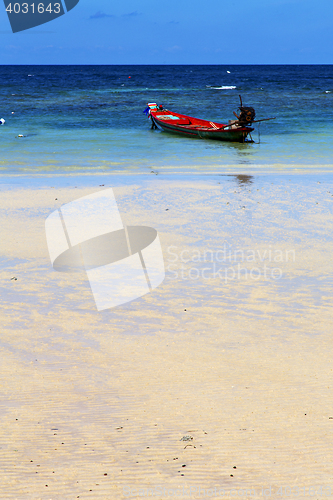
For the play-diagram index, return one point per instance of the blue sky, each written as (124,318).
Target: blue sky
(177,32)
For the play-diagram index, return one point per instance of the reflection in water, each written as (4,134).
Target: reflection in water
(244,179)
(244,153)
(241,178)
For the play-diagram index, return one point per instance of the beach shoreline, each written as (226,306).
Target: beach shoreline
(187,171)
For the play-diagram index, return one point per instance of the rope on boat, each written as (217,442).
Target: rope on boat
(259,133)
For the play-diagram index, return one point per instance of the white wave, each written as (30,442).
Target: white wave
(224,87)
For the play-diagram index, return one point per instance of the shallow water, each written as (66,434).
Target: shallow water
(90,118)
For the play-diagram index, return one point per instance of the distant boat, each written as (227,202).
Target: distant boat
(235,131)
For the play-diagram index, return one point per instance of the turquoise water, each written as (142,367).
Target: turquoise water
(89,119)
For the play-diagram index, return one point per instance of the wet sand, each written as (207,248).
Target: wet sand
(220,378)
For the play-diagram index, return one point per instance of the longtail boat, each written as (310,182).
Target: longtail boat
(235,130)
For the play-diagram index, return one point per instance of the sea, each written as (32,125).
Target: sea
(63,120)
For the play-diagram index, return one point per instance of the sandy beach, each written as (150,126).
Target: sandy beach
(218,384)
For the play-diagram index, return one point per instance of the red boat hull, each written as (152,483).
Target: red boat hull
(195,127)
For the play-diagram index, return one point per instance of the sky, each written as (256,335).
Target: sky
(177,32)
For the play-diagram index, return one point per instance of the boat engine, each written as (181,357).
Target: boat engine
(246,114)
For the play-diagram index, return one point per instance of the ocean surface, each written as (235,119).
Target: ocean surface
(89,119)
